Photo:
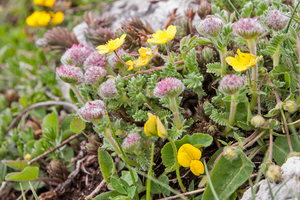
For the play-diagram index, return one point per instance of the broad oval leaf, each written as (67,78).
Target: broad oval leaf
(77,125)
(28,174)
(106,164)
(281,148)
(17,164)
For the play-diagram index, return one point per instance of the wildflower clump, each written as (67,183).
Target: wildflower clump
(76,55)
(154,127)
(92,111)
(108,89)
(169,87)
(111,45)
(210,26)
(94,75)
(189,156)
(94,60)
(231,84)
(162,37)
(242,61)
(248,28)
(70,74)
(276,21)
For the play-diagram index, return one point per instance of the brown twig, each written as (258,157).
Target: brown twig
(97,190)
(37,105)
(185,194)
(53,149)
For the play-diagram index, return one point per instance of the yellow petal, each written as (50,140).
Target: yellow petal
(187,153)
(49,3)
(171,30)
(197,167)
(150,127)
(58,18)
(102,49)
(130,63)
(44,19)
(32,19)
(183,158)
(161,130)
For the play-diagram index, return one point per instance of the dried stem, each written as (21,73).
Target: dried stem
(271,146)
(286,130)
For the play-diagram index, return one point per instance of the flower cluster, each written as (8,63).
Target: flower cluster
(44,18)
(231,84)
(70,74)
(211,26)
(92,111)
(189,156)
(94,75)
(108,89)
(131,142)
(111,45)
(276,20)
(162,37)
(94,60)
(76,55)
(248,28)
(170,87)
(154,127)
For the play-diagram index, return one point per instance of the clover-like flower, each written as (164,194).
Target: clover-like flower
(76,55)
(108,89)
(211,26)
(248,28)
(70,74)
(169,87)
(162,37)
(131,142)
(276,20)
(154,127)
(242,61)
(94,60)
(189,156)
(111,45)
(94,75)
(45,3)
(38,19)
(57,18)
(92,111)
(231,84)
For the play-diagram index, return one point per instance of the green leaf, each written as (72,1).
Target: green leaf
(155,189)
(127,177)
(187,43)
(247,9)
(165,180)
(50,126)
(287,80)
(117,186)
(274,44)
(106,164)
(281,148)
(131,191)
(198,140)
(17,164)
(29,173)
(66,123)
(33,191)
(106,195)
(191,62)
(77,125)
(214,68)
(227,176)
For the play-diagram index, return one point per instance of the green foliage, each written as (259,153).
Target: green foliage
(77,125)
(194,81)
(17,164)
(214,68)
(274,44)
(187,43)
(106,164)
(281,148)
(247,9)
(28,173)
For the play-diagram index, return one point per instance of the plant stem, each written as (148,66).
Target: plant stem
(175,112)
(252,46)
(271,146)
(249,78)
(148,194)
(168,50)
(223,53)
(286,130)
(233,106)
(255,139)
(258,97)
(276,58)
(110,71)
(79,96)
(122,61)
(177,164)
(209,181)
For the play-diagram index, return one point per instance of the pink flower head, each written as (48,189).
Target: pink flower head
(211,26)
(170,87)
(131,141)
(231,84)
(108,89)
(94,75)
(92,111)
(113,60)
(94,60)
(70,74)
(248,28)
(76,55)
(276,20)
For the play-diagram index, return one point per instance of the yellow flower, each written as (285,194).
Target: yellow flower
(161,37)
(46,3)
(130,63)
(38,19)
(57,18)
(27,156)
(31,20)
(111,45)
(154,127)
(145,52)
(242,61)
(189,156)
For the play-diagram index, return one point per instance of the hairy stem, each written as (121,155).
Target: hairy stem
(148,196)
(169,54)
(223,54)
(271,146)
(233,106)
(286,130)
(252,46)
(110,71)
(79,96)
(175,112)
(276,58)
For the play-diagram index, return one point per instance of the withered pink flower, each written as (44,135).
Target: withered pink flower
(94,60)
(76,55)
(276,20)
(94,75)
(231,84)
(92,111)
(70,74)
(170,87)
(210,26)
(108,89)
(248,28)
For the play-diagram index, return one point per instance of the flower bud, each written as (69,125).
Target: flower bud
(258,121)
(131,142)
(231,84)
(108,89)
(276,21)
(290,106)
(113,60)
(92,111)
(76,55)
(204,9)
(57,170)
(94,60)
(170,87)
(207,54)
(210,26)
(94,75)
(274,172)
(248,28)
(230,153)
(27,156)
(70,74)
